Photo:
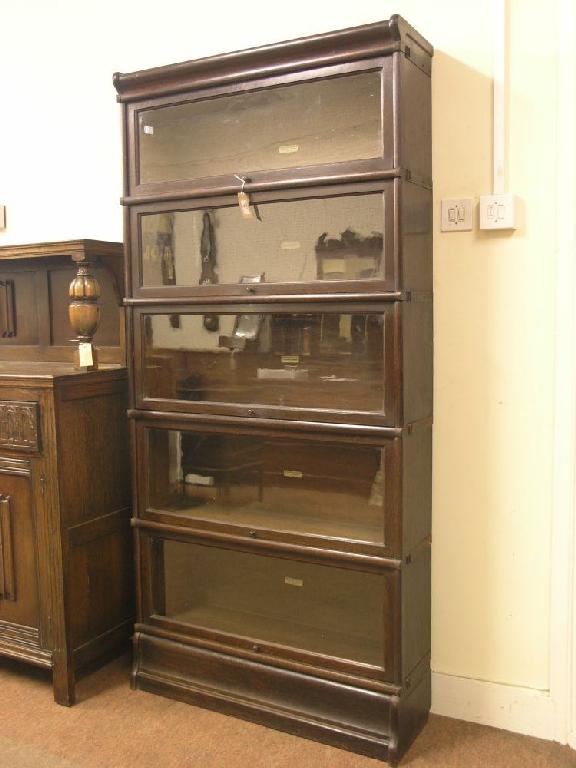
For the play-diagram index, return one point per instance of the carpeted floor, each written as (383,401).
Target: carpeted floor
(113,727)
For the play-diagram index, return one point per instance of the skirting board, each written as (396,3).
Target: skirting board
(511,708)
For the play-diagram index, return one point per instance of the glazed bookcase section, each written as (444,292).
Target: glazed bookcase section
(339,620)
(285,606)
(322,240)
(352,495)
(353,119)
(294,361)
(306,123)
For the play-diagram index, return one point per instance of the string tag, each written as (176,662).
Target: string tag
(244,200)
(85,355)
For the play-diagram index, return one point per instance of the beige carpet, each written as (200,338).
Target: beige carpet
(113,727)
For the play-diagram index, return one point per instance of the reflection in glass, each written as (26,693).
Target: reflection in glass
(307,123)
(323,489)
(334,238)
(316,608)
(307,360)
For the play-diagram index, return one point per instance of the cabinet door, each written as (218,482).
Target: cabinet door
(323,119)
(320,240)
(333,494)
(329,617)
(327,363)
(18,564)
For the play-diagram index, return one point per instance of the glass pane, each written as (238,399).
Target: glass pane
(308,360)
(307,123)
(330,490)
(336,238)
(316,608)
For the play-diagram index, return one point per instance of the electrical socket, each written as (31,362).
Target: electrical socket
(498,212)
(456,215)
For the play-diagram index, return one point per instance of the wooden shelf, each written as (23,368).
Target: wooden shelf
(263,627)
(259,515)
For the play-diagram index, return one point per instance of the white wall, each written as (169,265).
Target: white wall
(60,178)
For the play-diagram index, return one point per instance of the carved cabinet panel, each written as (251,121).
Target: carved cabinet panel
(19,425)
(18,556)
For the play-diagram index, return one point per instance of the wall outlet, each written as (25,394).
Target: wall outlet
(456,215)
(497,212)
(2,217)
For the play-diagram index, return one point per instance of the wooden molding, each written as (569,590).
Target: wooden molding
(77,250)
(7,569)
(19,425)
(352,44)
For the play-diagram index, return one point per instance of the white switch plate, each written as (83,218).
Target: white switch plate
(2,217)
(497,212)
(456,215)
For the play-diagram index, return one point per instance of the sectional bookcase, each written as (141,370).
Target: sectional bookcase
(279,314)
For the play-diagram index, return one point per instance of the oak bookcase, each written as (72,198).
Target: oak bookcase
(278,229)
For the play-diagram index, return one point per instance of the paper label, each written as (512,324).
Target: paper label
(292,473)
(293,582)
(193,479)
(290,359)
(334,266)
(148,130)
(293,374)
(85,354)
(288,149)
(244,203)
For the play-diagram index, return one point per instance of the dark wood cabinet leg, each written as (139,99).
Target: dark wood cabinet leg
(64,683)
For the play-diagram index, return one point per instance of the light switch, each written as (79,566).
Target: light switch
(497,212)
(2,217)
(456,215)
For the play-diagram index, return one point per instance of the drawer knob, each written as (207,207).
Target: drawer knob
(251,412)
(256,648)
(252,533)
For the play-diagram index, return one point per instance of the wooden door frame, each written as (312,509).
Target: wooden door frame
(563,549)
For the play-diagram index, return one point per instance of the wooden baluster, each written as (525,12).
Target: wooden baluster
(84,314)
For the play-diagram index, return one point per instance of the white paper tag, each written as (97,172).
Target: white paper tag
(288,149)
(244,203)
(149,130)
(193,479)
(293,582)
(293,473)
(85,354)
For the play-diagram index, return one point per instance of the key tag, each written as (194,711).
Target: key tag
(244,200)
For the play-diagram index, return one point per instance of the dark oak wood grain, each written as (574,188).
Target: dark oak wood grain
(281,382)
(65,543)
(41,274)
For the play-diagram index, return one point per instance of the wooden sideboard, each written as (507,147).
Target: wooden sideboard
(65,547)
